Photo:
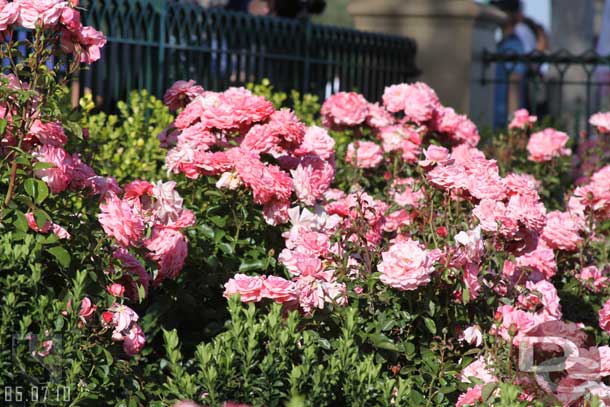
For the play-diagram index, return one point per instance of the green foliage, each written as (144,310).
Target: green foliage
(270,359)
(125,145)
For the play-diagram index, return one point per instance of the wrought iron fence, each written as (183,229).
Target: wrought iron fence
(565,87)
(152,43)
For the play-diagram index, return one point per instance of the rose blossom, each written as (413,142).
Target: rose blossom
(593,278)
(51,133)
(119,220)
(522,120)
(472,335)
(562,231)
(134,340)
(279,289)
(364,154)
(604,317)
(344,109)
(9,12)
(59,176)
(169,249)
(116,289)
(406,265)
(545,145)
(317,141)
(601,121)
(250,289)
(181,93)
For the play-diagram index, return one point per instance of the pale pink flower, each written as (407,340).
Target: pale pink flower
(458,128)
(279,289)
(472,397)
(122,319)
(601,121)
(418,101)
(70,17)
(275,212)
(435,155)
(344,109)
(522,120)
(169,249)
(181,93)
(116,289)
(310,293)
(379,117)
(478,369)
(593,278)
(134,340)
(312,178)
(317,141)
(59,176)
(521,184)
(250,289)
(51,133)
(185,403)
(45,12)
(562,231)
(9,12)
(540,260)
(364,154)
(545,145)
(405,192)
(604,317)
(406,265)
(91,41)
(167,205)
(119,220)
(472,335)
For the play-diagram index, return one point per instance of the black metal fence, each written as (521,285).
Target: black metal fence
(152,43)
(565,87)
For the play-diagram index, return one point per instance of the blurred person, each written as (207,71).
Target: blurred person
(520,36)
(602,73)
(517,39)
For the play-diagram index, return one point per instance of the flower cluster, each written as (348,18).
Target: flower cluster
(57,16)
(153,207)
(234,135)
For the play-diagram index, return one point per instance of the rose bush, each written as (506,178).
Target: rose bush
(246,248)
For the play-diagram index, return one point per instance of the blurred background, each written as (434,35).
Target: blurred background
(484,58)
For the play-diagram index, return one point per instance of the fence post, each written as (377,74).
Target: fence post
(161,42)
(307,64)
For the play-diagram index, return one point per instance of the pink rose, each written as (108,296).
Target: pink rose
(51,133)
(317,141)
(279,289)
(604,317)
(59,176)
(169,249)
(562,231)
(120,220)
(406,265)
(9,12)
(115,289)
(312,178)
(545,145)
(91,42)
(134,340)
(473,335)
(418,101)
(181,93)
(435,155)
(250,289)
(522,120)
(601,121)
(364,154)
(344,109)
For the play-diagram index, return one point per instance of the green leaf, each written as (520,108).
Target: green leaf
(30,187)
(430,325)
(21,222)
(41,218)
(3,123)
(250,266)
(61,254)
(488,390)
(42,191)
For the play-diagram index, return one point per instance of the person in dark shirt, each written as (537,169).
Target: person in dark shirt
(509,91)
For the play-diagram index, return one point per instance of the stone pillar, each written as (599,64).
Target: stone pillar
(450,36)
(572,26)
